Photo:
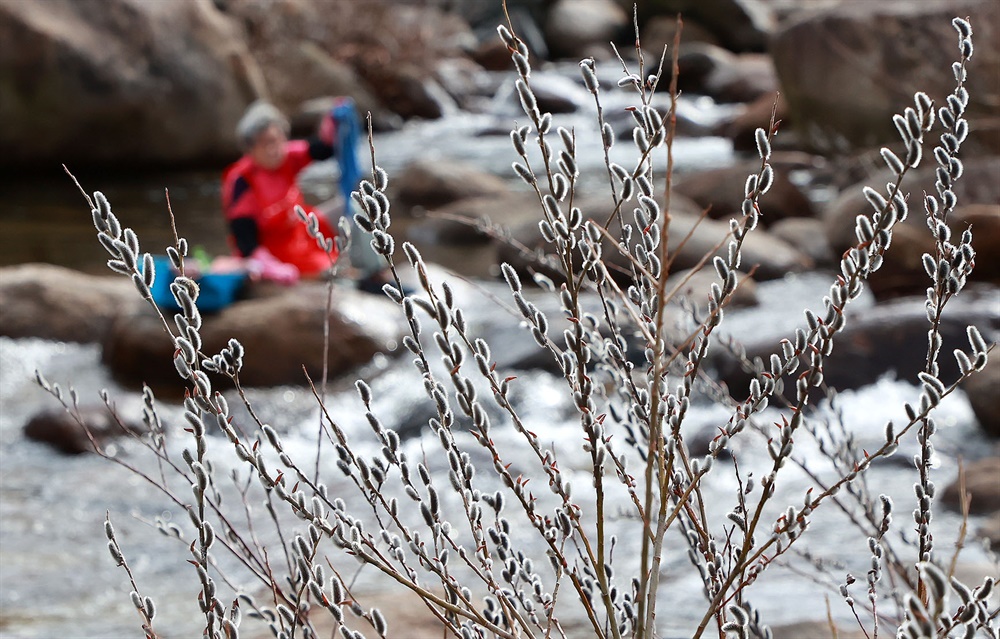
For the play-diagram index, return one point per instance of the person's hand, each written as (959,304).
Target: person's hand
(327,129)
(262,265)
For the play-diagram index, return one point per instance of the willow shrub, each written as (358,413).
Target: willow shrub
(459,537)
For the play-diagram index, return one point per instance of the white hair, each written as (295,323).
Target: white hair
(258,117)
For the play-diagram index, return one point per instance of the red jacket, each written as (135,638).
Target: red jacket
(269,197)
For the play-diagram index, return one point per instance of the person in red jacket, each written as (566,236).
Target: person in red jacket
(260,192)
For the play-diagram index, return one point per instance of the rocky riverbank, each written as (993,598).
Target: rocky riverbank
(132,83)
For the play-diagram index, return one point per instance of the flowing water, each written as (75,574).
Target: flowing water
(57,577)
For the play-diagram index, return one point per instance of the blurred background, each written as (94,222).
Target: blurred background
(139,97)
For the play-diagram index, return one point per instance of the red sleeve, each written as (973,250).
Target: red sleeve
(298,155)
(238,199)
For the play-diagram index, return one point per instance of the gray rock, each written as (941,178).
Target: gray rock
(380,54)
(64,433)
(434,182)
(741,127)
(121,81)
(738,25)
(807,235)
(51,302)
(462,222)
(883,52)
(903,272)
(982,483)
(728,77)
(722,190)
(305,80)
(990,531)
(697,285)
(983,390)
(691,238)
(575,27)
(891,336)
(554,92)
(281,333)
(659,31)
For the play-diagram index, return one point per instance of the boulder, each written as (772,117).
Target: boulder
(435,182)
(738,25)
(52,302)
(659,32)
(120,81)
(982,483)
(554,92)
(884,51)
(378,53)
(526,16)
(742,127)
(576,28)
(990,531)
(902,271)
(978,192)
(746,78)
(466,82)
(765,254)
(983,391)
(281,333)
(697,285)
(305,80)
(688,122)
(64,433)
(721,191)
(691,238)
(727,77)
(462,222)
(889,337)
(807,235)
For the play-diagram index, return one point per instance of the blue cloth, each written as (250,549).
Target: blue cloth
(345,146)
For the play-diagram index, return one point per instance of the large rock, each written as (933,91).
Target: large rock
(711,70)
(472,220)
(696,286)
(576,28)
(281,334)
(982,483)
(845,71)
(990,531)
(902,271)
(721,191)
(739,25)
(691,238)
(741,128)
(51,302)
(978,192)
(554,92)
(434,182)
(409,89)
(983,391)
(807,235)
(63,432)
(467,83)
(120,81)
(377,52)
(659,31)
(891,336)
(304,71)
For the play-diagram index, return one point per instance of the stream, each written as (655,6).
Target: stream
(58,579)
